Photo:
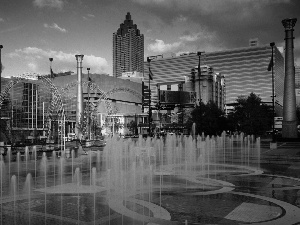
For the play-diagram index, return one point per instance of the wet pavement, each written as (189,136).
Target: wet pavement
(267,194)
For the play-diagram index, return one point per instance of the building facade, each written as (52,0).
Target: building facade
(297,85)
(212,86)
(245,70)
(29,104)
(128,48)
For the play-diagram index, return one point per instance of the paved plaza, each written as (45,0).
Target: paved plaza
(226,194)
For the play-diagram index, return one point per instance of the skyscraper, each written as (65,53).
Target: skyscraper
(128,48)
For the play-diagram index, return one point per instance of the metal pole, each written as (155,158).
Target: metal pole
(32,99)
(43,119)
(89,133)
(273,91)
(149,112)
(1,46)
(199,74)
(51,59)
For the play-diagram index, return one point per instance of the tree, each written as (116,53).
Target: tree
(132,127)
(251,116)
(209,118)
(298,113)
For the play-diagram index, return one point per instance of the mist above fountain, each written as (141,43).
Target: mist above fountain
(125,183)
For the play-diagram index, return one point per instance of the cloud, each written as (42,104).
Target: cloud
(11,29)
(56,27)
(32,67)
(159,46)
(223,17)
(58,4)
(189,42)
(88,17)
(181,18)
(1,20)
(208,6)
(190,37)
(38,60)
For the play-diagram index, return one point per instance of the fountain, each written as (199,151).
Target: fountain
(143,181)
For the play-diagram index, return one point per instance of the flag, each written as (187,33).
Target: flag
(150,74)
(271,64)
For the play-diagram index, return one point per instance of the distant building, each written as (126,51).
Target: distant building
(128,48)
(27,105)
(245,70)
(133,76)
(212,86)
(297,76)
(297,84)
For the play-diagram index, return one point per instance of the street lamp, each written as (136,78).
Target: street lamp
(199,75)
(88,69)
(272,44)
(1,46)
(51,72)
(149,111)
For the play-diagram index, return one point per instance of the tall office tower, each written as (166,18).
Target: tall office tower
(128,48)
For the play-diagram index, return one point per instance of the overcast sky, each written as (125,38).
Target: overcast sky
(31,31)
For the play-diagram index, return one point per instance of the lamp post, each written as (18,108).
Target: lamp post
(89,133)
(149,111)
(1,46)
(272,44)
(51,73)
(199,75)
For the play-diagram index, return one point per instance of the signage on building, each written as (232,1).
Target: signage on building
(177,97)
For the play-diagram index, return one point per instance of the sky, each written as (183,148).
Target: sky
(32,31)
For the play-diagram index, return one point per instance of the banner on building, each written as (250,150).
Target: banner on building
(177,97)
